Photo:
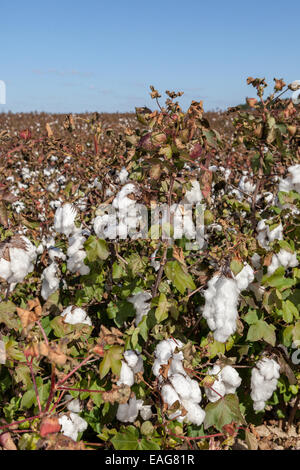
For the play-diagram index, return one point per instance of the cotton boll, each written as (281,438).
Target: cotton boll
(220,308)
(74,315)
(157,365)
(5,269)
(128,412)
(268,368)
(146,412)
(169,395)
(126,375)
(194,390)
(181,386)
(264,378)
(231,379)
(195,414)
(176,367)
(219,390)
(64,219)
(194,195)
(163,351)
(283,258)
(56,253)
(72,425)
(244,277)
(76,254)
(141,304)
(105,226)
(131,358)
(50,281)
(123,175)
(74,404)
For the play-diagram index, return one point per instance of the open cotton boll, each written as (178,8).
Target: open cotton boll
(265,235)
(74,404)
(169,395)
(282,258)
(218,391)
(244,277)
(56,253)
(292,181)
(264,378)
(195,414)
(141,304)
(146,412)
(181,386)
(227,381)
(105,226)
(50,281)
(193,195)
(231,379)
(72,425)
(76,254)
(138,364)
(64,219)
(74,315)
(128,412)
(122,202)
(126,375)
(5,269)
(20,263)
(220,309)
(176,366)
(194,390)
(123,175)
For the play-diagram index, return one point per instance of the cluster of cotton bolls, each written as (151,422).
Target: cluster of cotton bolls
(141,304)
(264,377)
(227,380)
(22,255)
(72,424)
(178,387)
(182,213)
(74,315)
(221,300)
(128,412)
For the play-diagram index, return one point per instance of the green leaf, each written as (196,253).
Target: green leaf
(278,280)
(262,330)
(251,317)
(127,439)
(111,361)
(181,279)
(7,310)
(28,399)
(222,412)
(96,248)
(289,311)
(161,313)
(236,266)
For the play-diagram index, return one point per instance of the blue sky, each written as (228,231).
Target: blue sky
(74,55)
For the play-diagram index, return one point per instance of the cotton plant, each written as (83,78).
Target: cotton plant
(264,379)
(178,387)
(75,315)
(227,380)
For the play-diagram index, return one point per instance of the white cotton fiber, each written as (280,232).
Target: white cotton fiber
(141,304)
(74,315)
(64,219)
(264,378)
(282,258)
(50,281)
(227,381)
(169,395)
(72,425)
